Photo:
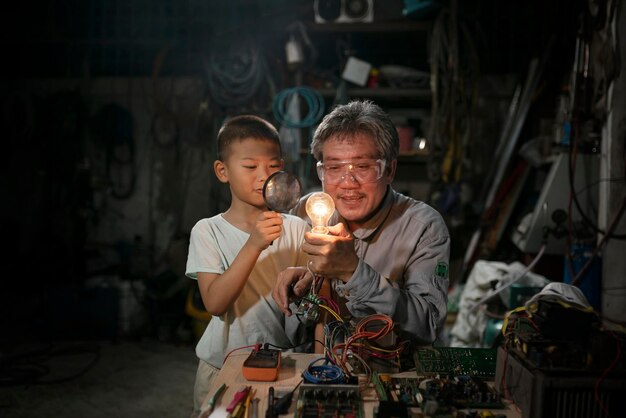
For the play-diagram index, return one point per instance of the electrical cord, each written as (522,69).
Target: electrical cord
(580,275)
(453,67)
(313,100)
(292,347)
(506,286)
(315,110)
(29,368)
(345,343)
(587,221)
(325,373)
(235,76)
(255,347)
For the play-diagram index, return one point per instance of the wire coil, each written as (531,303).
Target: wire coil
(313,100)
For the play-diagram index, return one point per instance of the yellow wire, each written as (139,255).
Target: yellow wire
(333,313)
(506,317)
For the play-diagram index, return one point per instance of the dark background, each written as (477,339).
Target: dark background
(51,192)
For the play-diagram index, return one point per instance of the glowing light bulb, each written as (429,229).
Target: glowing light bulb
(320,207)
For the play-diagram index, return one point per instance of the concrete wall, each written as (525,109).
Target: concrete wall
(174,185)
(614,192)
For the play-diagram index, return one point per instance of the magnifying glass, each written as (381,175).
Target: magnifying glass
(281,191)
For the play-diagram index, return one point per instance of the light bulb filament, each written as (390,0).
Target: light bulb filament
(320,207)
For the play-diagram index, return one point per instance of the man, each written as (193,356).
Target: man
(389,253)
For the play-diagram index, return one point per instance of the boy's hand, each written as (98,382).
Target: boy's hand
(267,228)
(293,282)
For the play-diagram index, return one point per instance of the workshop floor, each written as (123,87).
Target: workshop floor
(99,379)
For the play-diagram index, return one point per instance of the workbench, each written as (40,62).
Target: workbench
(291,367)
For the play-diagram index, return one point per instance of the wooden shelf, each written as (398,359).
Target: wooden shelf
(412,157)
(404,157)
(381,92)
(389,26)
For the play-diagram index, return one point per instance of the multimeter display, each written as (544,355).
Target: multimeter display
(263,358)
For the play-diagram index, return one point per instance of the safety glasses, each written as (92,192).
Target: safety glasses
(365,170)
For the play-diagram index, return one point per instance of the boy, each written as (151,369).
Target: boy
(237,255)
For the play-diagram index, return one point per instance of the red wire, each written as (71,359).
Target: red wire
(255,346)
(331,304)
(362,333)
(618,354)
(507,394)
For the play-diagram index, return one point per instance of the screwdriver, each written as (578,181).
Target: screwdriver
(213,401)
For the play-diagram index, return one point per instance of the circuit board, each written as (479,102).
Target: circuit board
(397,389)
(453,361)
(326,401)
(436,395)
(460,392)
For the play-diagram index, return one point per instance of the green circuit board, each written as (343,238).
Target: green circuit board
(477,362)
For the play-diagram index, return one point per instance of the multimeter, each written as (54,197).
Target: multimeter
(262,365)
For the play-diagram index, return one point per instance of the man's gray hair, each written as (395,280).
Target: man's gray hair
(358,117)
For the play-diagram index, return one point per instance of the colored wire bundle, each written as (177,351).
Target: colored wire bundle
(349,347)
(343,344)
(325,373)
(362,345)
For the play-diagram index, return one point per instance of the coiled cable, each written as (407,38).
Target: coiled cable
(234,76)
(313,100)
(315,110)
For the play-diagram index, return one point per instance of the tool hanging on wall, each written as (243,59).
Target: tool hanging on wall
(453,77)
(498,172)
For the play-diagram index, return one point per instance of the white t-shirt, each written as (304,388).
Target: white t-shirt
(254,317)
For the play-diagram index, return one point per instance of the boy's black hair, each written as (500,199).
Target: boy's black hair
(241,127)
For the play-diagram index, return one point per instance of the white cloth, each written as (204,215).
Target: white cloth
(560,293)
(254,317)
(205,375)
(469,325)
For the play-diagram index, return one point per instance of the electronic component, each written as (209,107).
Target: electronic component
(321,401)
(554,197)
(459,392)
(558,337)
(434,396)
(480,362)
(324,373)
(308,309)
(554,393)
(396,389)
(262,365)
(548,353)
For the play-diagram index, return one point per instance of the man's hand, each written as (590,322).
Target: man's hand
(333,255)
(293,282)
(266,229)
